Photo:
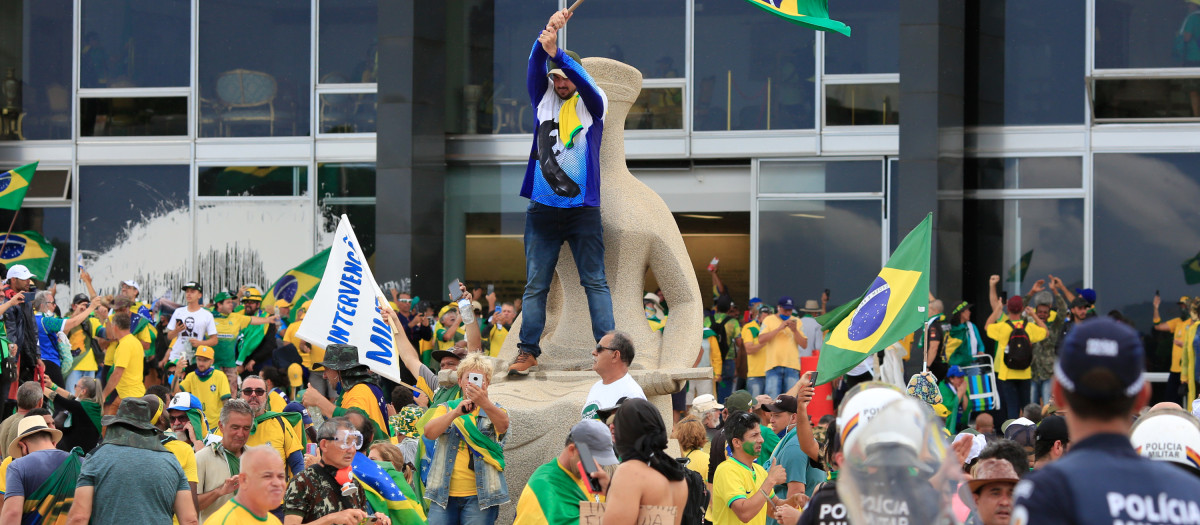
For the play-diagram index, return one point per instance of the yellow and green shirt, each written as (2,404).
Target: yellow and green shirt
(756,363)
(733,481)
(211,392)
(233,513)
(552,496)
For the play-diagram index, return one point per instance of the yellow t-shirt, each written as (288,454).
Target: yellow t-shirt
(233,513)
(462,479)
(4,473)
(361,397)
(1000,332)
(698,461)
(275,402)
(186,457)
(212,392)
(496,339)
(1179,331)
(782,349)
(128,355)
(289,335)
(439,331)
(142,338)
(277,433)
(733,481)
(756,363)
(86,362)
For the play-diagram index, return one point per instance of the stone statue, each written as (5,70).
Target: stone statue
(639,233)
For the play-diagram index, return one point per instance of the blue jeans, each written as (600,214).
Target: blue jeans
(1039,391)
(756,385)
(462,511)
(546,228)
(780,379)
(1014,395)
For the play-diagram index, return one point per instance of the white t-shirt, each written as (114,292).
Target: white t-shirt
(198,325)
(604,397)
(812,330)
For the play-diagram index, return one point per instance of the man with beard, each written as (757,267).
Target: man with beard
(272,428)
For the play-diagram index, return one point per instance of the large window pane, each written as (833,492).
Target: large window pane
(362,216)
(254,68)
(820,177)
(734,69)
(875,47)
(253,181)
(658,108)
(645,35)
(135,43)
(862,104)
(486,87)
(348,43)
(1145,215)
(1145,34)
(348,113)
(35,69)
(135,223)
(146,116)
(1147,98)
(345,180)
(55,226)
(1024,173)
(248,241)
(849,234)
(1019,71)
(1022,241)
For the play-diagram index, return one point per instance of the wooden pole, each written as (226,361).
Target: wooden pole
(10,227)
(574,5)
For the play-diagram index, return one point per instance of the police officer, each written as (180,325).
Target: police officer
(1100,378)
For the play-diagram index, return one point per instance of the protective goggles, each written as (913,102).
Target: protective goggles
(349,439)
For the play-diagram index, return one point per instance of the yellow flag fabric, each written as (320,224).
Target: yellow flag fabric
(813,14)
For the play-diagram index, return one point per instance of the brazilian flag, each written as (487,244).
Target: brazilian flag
(813,14)
(387,491)
(892,307)
(299,284)
(28,248)
(1191,270)
(13,185)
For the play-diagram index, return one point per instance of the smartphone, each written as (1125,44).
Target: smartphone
(588,465)
(813,382)
(491,289)
(476,379)
(454,288)
(313,450)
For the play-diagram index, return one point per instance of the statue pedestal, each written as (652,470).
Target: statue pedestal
(543,407)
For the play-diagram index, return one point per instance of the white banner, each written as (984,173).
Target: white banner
(345,309)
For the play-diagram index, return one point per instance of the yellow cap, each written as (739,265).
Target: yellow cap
(941,410)
(205,351)
(1185,298)
(295,375)
(282,303)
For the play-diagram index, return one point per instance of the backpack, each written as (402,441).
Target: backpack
(1019,353)
(722,337)
(698,496)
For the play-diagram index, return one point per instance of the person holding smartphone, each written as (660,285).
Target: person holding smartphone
(556,488)
(466,480)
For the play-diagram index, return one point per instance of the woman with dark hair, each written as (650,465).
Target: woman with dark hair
(647,475)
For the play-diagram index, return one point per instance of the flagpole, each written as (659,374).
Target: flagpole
(10,227)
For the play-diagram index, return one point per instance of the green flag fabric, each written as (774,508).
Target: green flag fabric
(893,306)
(298,284)
(813,14)
(28,248)
(1016,272)
(13,185)
(1191,270)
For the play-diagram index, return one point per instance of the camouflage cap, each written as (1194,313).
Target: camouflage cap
(341,357)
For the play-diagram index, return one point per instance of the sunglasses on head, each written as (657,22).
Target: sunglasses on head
(253,391)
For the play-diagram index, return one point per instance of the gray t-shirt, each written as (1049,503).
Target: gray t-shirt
(132,482)
(27,473)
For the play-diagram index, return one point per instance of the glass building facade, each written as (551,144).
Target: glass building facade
(177,135)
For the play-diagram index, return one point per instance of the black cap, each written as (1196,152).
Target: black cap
(783,403)
(1080,302)
(80,298)
(1053,428)
(192,284)
(1102,345)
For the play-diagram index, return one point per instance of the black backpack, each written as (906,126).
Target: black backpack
(698,496)
(1019,354)
(719,331)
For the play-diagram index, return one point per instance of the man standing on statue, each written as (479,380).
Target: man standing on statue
(562,181)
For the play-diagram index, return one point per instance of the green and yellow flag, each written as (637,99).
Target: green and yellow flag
(28,248)
(1016,272)
(13,185)
(489,451)
(298,284)
(1191,270)
(813,14)
(893,306)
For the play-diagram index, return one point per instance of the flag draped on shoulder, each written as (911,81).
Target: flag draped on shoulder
(813,14)
(298,284)
(28,248)
(13,185)
(893,306)
(387,491)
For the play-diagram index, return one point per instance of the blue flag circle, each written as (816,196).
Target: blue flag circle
(871,311)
